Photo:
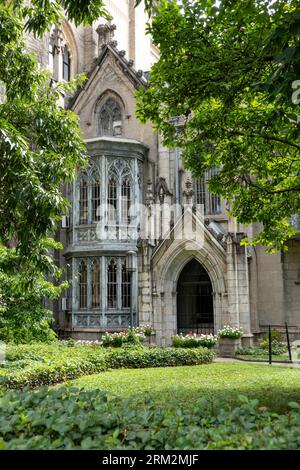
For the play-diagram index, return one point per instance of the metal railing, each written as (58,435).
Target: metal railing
(204,328)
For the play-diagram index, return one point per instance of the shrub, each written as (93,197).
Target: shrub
(37,365)
(230,332)
(157,357)
(277,346)
(70,418)
(193,341)
(48,371)
(23,317)
(258,351)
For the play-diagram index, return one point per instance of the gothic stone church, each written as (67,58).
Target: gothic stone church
(178,285)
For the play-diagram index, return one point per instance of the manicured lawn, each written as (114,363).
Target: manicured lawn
(274,386)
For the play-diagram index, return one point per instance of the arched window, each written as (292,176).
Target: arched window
(95,200)
(112,200)
(66,64)
(83,201)
(110,118)
(95,284)
(89,196)
(82,285)
(210,202)
(112,284)
(125,201)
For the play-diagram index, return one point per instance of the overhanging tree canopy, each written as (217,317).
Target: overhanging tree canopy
(40,143)
(229,69)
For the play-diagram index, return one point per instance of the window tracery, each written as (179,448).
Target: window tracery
(110,116)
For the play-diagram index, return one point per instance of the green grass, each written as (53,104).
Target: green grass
(274,386)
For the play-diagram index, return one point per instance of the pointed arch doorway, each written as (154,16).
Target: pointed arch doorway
(194,300)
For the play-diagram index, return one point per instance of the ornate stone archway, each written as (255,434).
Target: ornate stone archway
(166,272)
(194,300)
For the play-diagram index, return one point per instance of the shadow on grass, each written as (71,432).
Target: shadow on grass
(219,384)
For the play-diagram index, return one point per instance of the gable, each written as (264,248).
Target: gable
(111,73)
(197,236)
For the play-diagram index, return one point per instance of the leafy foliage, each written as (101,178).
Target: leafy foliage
(262,353)
(70,418)
(23,316)
(157,357)
(40,147)
(41,14)
(278,347)
(228,70)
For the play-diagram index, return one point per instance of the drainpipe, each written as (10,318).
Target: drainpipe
(177,193)
(177,190)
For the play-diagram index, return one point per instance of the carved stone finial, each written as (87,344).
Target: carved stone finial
(188,192)
(149,193)
(106,34)
(130,63)
(57,39)
(140,73)
(113,43)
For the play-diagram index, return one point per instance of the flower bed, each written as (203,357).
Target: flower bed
(230,332)
(194,341)
(132,336)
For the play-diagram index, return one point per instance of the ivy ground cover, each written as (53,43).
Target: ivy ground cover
(167,408)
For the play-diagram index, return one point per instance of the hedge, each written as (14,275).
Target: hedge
(70,418)
(157,357)
(69,363)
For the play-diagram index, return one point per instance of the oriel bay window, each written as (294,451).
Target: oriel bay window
(104,283)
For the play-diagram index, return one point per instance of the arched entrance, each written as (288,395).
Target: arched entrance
(194,300)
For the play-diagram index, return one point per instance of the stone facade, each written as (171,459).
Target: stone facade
(129,167)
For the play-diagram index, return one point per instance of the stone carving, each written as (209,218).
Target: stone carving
(82,235)
(106,34)
(109,75)
(120,168)
(95,321)
(162,190)
(188,192)
(82,320)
